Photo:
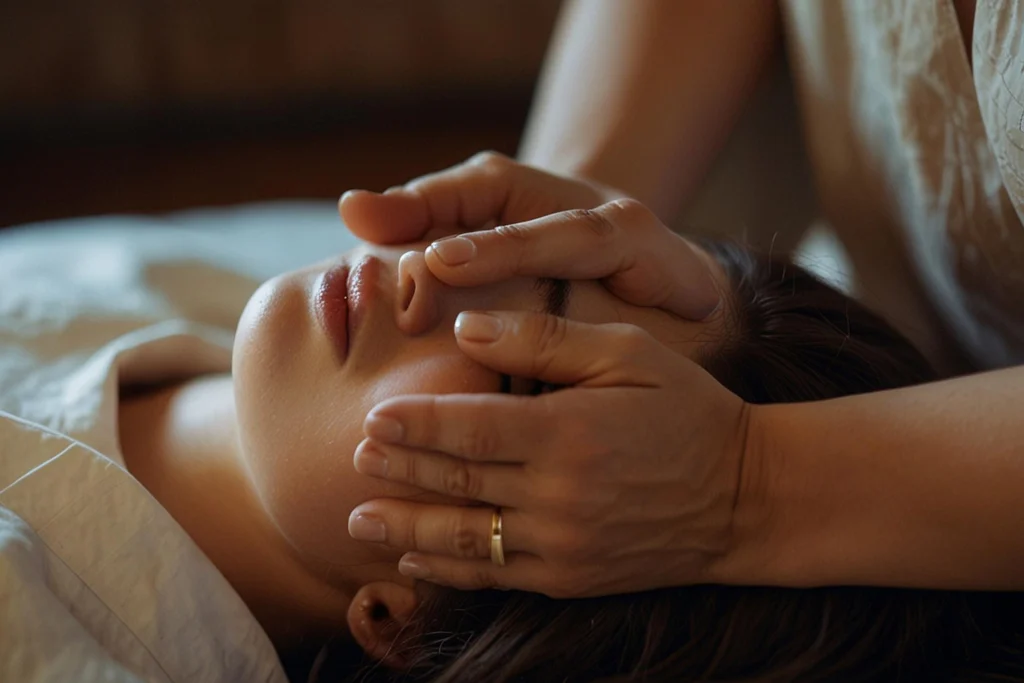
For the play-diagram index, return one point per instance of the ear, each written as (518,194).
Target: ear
(376,616)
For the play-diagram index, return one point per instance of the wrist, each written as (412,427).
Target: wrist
(831,493)
(756,553)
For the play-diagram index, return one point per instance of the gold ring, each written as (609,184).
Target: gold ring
(497,546)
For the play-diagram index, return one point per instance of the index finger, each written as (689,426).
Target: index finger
(482,427)
(621,242)
(486,189)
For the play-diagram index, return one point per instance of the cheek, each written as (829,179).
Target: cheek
(304,425)
(447,372)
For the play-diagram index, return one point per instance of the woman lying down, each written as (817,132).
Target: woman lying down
(173,502)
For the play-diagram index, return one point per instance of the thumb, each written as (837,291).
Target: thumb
(561,351)
(486,189)
(395,217)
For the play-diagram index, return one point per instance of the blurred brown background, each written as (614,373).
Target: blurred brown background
(153,105)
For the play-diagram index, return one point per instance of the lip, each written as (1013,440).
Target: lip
(331,302)
(344,295)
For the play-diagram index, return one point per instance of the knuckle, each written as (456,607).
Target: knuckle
(415,534)
(481,578)
(464,541)
(478,442)
(456,479)
(631,341)
(490,160)
(519,243)
(634,216)
(595,221)
(427,428)
(408,469)
(513,231)
(630,208)
(461,481)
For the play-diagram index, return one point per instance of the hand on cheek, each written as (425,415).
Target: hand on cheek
(583,475)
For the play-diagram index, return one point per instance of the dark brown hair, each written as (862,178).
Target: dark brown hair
(794,339)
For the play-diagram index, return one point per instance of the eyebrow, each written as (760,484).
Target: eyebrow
(556,295)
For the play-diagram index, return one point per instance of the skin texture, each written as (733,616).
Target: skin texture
(627,97)
(300,413)
(258,468)
(639,260)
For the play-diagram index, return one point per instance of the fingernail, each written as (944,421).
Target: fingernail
(409,566)
(386,429)
(454,251)
(366,528)
(371,462)
(478,327)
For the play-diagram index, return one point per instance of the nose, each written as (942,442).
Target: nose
(419,295)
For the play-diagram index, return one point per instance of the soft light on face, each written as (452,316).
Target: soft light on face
(300,407)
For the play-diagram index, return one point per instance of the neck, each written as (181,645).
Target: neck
(181,444)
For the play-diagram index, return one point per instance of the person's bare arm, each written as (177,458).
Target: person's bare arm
(920,487)
(642,95)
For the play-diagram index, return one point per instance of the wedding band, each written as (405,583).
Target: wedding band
(497,546)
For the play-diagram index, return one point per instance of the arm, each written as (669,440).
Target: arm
(642,95)
(920,487)
(638,97)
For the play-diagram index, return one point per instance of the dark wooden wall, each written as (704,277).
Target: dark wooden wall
(153,105)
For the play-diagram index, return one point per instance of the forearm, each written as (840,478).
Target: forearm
(919,487)
(642,95)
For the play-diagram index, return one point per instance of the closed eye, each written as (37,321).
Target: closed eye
(555,295)
(524,387)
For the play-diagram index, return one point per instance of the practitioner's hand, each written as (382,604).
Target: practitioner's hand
(625,481)
(487,190)
(623,243)
(620,243)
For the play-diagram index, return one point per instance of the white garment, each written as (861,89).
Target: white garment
(97,580)
(919,163)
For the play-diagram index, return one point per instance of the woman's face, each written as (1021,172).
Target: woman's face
(309,366)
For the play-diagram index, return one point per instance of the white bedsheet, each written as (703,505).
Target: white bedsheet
(97,581)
